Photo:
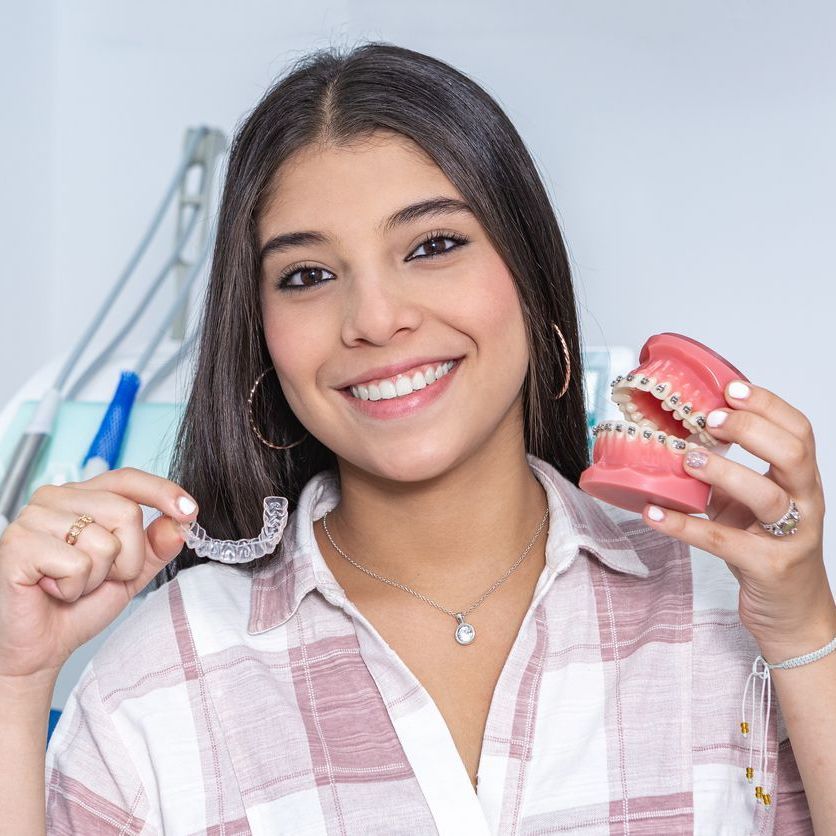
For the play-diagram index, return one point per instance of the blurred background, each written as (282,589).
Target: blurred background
(687,148)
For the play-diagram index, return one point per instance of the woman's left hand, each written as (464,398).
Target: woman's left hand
(785,598)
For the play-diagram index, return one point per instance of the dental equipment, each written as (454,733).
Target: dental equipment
(107,443)
(245,550)
(199,204)
(40,427)
(167,368)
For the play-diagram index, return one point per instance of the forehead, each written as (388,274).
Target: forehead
(369,176)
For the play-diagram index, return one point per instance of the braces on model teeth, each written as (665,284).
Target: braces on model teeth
(636,424)
(245,550)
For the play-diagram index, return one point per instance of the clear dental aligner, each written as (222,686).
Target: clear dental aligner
(241,551)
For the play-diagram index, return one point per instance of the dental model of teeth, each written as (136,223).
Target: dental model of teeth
(241,551)
(402,384)
(637,425)
(665,402)
(693,420)
(645,431)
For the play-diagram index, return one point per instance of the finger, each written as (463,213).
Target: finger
(767,500)
(116,555)
(58,568)
(792,461)
(768,405)
(109,509)
(724,509)
(741,549)
(143,488)
(119,515)
(165,542)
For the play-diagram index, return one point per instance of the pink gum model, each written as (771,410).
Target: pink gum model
(664,400)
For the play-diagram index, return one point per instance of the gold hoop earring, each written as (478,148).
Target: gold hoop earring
(261,438)
(568,363)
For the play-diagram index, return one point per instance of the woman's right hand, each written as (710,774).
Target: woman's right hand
(54,597)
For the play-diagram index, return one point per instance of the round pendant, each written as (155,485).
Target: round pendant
(465,633)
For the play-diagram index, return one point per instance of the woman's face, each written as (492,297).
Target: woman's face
(363,293)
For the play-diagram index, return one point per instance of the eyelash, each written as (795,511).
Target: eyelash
(453,236)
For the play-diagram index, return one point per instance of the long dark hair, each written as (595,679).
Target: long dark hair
(333,97)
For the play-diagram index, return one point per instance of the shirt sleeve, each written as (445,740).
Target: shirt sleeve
(92,785)
(792,815)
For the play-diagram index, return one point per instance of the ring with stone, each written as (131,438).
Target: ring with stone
(788,524)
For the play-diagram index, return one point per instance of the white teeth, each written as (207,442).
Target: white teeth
(401,385)
(647,432)
(683,411)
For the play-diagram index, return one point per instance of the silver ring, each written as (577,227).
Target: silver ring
(788,524)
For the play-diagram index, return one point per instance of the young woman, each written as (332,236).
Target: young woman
(451,636)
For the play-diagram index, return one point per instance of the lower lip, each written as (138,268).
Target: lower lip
(401,407)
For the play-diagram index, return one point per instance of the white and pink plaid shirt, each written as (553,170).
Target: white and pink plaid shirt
(233,703)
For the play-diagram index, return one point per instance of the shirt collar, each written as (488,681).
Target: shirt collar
(577,521)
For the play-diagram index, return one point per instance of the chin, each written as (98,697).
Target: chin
(398,463)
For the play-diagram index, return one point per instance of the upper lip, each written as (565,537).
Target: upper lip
(395,368)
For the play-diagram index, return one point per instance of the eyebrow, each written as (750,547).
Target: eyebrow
(432,206)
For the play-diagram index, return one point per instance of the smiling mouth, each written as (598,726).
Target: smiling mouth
(401,385)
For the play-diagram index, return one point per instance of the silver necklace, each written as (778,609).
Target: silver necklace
(465,633)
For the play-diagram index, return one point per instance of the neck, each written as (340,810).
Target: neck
(459,531)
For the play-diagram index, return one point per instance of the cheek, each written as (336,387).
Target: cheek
(294,357)
(500,331)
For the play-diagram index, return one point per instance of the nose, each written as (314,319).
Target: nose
(377,307)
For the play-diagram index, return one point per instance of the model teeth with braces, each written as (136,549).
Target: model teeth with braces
(245,550)
(693,421)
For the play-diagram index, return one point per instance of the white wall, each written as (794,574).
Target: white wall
(28,178)
(688,148)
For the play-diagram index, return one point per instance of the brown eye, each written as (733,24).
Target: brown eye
(309,277)
(434,244)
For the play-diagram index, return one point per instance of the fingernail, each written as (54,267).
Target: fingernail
(739,390)
(696,458)
(186,505)
(656,514)
(716,418)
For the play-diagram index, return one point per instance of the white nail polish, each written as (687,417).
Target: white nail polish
(186,505)
(738,389)
(716,418)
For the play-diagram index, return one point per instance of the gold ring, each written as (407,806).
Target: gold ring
(77,527)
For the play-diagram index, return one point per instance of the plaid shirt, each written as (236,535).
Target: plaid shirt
(232,702)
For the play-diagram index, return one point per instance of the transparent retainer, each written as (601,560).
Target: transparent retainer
(241,551)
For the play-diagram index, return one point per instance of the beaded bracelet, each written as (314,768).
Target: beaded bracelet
(762,673)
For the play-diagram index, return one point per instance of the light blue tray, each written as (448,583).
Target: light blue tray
(149,439)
